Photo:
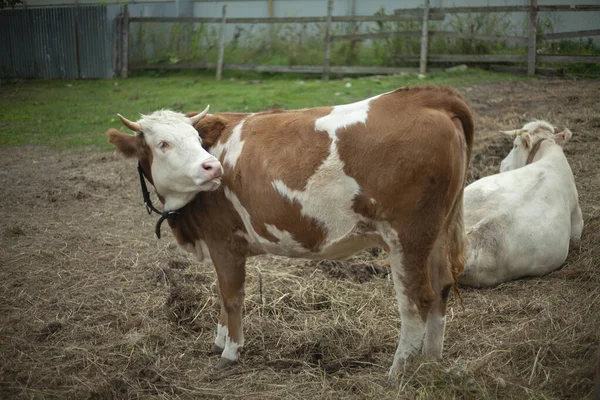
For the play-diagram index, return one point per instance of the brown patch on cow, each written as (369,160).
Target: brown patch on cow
(276,137)
(217,127)
(207,216)
(210,128)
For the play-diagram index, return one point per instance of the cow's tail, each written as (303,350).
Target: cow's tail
(457,235)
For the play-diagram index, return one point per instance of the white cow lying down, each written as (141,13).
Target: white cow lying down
(519,221)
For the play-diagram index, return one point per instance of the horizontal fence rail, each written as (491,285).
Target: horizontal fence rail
(285,20)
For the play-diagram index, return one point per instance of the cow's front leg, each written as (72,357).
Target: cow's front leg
(221,337)
(231,277)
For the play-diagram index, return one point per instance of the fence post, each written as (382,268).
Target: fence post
(532,38)
(125,45)
(221,44)
(327,41)
(271,28)
(424,39)
(117,44)
(76,38)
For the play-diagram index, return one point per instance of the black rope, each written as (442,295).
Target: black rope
(148,203)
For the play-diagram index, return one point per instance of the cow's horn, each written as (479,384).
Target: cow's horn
(514,132)
(198,117)
(134,126)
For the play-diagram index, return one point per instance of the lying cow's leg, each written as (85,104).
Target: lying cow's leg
(576,223)
(231,274)
(221,337)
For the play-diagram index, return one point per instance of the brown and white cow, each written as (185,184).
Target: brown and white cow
(320,183)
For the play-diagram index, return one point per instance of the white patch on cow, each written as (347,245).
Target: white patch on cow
(329,193)
(373,201)
(221,338)
(233,146)
(285,240)
(232,349)
(344,116)
(253,236)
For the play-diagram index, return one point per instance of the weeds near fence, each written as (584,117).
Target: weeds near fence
(302,43)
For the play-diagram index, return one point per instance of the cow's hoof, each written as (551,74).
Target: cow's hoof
(216,350)
(224,363)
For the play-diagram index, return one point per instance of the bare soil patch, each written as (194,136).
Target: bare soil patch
(94,307)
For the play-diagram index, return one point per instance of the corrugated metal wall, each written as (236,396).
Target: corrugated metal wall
(57,42)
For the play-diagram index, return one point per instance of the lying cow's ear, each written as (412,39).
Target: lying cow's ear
(563,137)
(210,128)
(125,144)
(526,139)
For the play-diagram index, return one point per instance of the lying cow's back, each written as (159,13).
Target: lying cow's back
(311,182)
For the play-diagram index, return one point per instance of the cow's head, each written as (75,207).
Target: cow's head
(170,152)
(525,141)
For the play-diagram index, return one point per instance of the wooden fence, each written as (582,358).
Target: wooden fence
(425,15)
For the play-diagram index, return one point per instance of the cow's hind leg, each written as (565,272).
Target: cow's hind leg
(414,294)
(441,282)
(446,262)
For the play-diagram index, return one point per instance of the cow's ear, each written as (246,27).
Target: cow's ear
(125,144)
(526,139)
(563,137)
(210,128)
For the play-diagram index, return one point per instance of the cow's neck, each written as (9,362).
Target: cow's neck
(206,217)
(176,201)
(541,149)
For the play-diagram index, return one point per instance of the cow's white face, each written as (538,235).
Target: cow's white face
(180,168)
(517,157)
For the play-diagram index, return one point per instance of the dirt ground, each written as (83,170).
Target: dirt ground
(94,307)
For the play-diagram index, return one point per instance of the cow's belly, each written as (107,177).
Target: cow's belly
(358,238)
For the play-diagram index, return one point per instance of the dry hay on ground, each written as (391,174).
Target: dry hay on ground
(95,308)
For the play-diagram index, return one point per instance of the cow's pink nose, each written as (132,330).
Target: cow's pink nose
(213,169)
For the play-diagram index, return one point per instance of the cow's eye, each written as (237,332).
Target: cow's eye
(163,145)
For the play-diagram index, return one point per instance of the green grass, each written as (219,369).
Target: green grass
(75,114)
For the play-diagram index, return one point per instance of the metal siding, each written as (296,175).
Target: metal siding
(40,43)
(6,67)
